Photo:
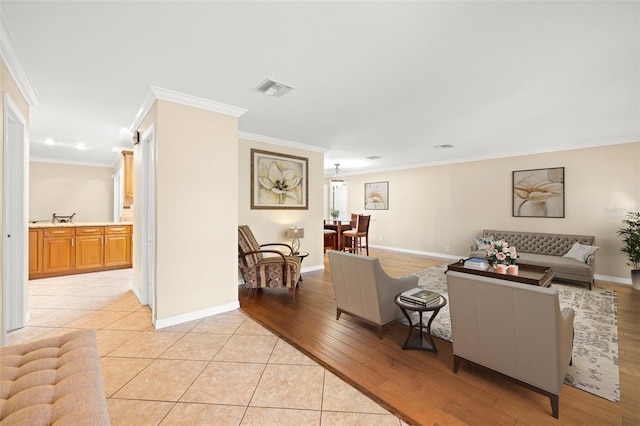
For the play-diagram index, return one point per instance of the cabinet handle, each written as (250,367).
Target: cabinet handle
(117,229)
(58,232)
(73,241)
(86,231)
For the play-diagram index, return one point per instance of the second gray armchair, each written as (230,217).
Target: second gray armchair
(364,290)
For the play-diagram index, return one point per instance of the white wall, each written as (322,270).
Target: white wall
(432,208)
(65,189)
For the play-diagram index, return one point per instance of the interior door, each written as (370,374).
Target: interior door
(14,238)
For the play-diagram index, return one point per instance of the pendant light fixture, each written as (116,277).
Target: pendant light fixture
(337,179)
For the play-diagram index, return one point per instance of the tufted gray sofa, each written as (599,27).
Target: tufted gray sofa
(547,250)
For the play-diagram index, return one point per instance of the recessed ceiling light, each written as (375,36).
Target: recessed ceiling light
(49,141)
(81,146)
(444,146)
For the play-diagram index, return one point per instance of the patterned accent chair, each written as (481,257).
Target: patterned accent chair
(258,271)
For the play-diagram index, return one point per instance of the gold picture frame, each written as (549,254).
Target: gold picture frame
(279,181)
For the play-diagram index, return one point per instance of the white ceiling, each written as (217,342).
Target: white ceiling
(390,79)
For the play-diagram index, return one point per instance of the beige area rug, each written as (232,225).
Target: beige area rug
(595,344)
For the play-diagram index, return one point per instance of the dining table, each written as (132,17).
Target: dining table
(339,226)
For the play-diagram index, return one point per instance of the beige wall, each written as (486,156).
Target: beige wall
(431,208)
(65,189)
(270,226)
(196,209)
(9,86)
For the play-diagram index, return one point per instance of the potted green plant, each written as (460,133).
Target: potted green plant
(334,213)
(631,238)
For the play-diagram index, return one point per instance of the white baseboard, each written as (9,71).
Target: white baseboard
(135,291)
(191,316)
(423,253)
(312,268)
(615,280)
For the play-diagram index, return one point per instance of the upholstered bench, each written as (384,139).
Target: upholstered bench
(557,251)
(53,381)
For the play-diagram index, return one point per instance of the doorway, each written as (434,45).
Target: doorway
(15,255)
(117,195)
(148,223)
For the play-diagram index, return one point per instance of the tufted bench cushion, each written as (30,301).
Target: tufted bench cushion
(547,250)
(53,381)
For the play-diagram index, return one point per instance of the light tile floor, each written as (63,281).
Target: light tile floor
(222,370)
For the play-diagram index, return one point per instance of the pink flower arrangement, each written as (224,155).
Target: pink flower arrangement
(501,252)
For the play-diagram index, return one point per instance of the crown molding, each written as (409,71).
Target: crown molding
(68,162)
(156,93)
(144,109)
(281,142)
(194,101)
(12,60)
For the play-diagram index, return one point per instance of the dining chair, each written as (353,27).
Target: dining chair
(361,231)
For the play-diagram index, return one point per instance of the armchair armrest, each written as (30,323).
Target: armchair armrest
(279,244)
(279,253)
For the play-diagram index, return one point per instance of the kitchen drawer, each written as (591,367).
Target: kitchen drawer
(59,232)
(90,230)
(118,229)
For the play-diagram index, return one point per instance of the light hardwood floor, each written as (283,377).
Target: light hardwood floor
(420,387)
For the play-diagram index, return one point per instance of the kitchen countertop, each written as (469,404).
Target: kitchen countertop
(74,224)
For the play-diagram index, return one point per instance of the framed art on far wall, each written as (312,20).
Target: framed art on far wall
(279,181)
(376,196)
(538,193)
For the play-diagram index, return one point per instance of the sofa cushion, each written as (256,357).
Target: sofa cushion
(482,243)
(56,380)
(581,252)
(559,264)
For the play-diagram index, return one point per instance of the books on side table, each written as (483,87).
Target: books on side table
(476,263)
(420,297)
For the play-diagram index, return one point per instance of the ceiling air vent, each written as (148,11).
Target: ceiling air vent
(274,88)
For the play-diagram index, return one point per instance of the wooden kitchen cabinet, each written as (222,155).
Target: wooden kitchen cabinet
(58,251)
(128,174)
(78,249)
(35,250)
(89,247)
(117,246)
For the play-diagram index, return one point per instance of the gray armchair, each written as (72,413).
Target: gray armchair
(364,290)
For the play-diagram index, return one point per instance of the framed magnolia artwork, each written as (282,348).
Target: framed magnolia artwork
(538,192)
(376,196)
(279,181)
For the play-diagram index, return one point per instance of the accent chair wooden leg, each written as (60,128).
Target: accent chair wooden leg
(338,312)
(292,292)
(555,405)
(456,363)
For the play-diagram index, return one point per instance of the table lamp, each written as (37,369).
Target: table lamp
(295,232)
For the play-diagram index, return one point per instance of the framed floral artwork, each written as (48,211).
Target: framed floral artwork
(538,193)
(279,181)
(376,196)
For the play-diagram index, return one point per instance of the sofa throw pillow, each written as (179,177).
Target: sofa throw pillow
(581,252)
(483,243)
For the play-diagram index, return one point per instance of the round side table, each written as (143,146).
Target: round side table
(421,341)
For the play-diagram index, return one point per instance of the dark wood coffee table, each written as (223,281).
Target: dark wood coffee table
(527,274)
